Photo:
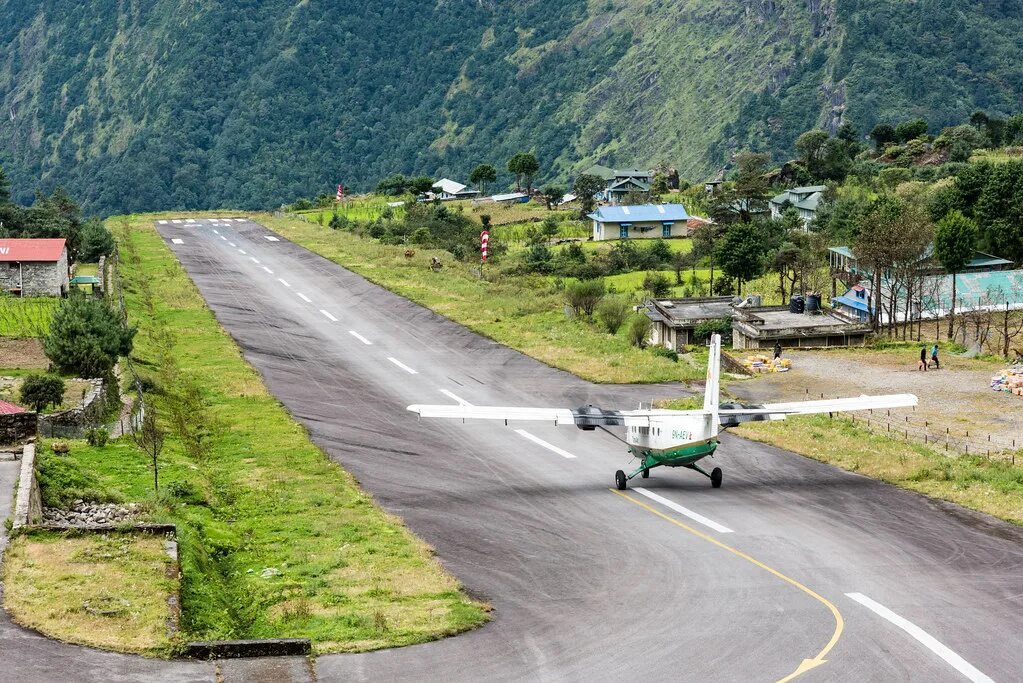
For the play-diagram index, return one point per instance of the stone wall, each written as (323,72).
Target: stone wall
(28,505)
(36,278)
(17,427)
(73,423)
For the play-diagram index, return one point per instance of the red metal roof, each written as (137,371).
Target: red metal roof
(9,408)
(30,250)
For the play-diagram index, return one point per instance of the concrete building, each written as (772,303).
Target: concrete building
(620,181)
(642,221)
(758,328)
(675,320)
(804,199)
(445,189)
(34,267)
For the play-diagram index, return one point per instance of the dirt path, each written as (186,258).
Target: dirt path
(958,396)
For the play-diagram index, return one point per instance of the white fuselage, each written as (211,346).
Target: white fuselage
(671,431)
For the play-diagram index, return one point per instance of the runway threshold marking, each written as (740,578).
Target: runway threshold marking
(540,442)
(924,638)
(402,366)
(806,664)
(456,399)
(304,298)
(328,316)
(695,516)
(270,238)
(360,337)
(162,222)
(177,240)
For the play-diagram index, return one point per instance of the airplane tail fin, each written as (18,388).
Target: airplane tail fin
(712,393)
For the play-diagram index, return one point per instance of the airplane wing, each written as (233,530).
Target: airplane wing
(835,405)
(587,417)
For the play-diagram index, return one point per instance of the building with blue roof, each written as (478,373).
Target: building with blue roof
(642,221)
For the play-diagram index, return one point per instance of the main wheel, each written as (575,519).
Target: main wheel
(646,474)
(715,477)
(620,480)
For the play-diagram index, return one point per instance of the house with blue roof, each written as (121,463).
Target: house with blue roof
(642,221)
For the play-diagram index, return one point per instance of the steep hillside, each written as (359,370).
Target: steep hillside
(153,104)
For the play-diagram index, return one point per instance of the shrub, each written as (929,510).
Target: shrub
(657,284)
(377,230)
(96,241)
(664,352)
(613,311)
(86,338)
(339,222)
(706,328)
(584,296)
(639,330)
(97,437)
(39,390)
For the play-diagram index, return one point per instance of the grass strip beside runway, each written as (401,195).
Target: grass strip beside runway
(276,540)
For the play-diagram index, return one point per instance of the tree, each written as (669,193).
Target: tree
(639,330)
(583,296)
(746,197)
(525,166)
(741,253)
(882,134)
(552,195)
(149,437)
(96,241)
(660,184)
(613,311)
(585,188)
(810,146)
(483,175)
(5,187)
(704,244)
(86,338)
(39,390)
(395,184)
(657,284)
(910,130)
(954,245)
(420,185)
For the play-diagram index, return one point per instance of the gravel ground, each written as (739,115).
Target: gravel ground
(958,395)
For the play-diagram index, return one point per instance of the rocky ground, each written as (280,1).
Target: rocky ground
(86,514)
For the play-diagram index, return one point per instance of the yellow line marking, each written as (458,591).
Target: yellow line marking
(806,664)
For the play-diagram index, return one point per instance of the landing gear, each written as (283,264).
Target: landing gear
(620,480)
(715,477)
(646,474)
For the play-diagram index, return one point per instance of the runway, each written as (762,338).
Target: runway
(792,567)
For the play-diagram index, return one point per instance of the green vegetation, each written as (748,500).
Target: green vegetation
(86,338)
(104,590)
(992,486)
(276,540)
(39,390)
(620,82)
(26,317)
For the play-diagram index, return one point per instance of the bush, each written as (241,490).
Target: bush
(584,296)
(639,330)
(657,284)
(377,230)
(97,437)
(86,338)
(664,352)
(339,222)
(705,329)
(613,311)
(96,241)
(39,390)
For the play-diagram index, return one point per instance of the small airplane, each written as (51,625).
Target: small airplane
(669,438)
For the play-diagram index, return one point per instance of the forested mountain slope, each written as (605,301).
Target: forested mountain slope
(151,104)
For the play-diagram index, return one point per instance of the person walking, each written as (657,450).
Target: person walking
(934,357)
(922,365)
(777,350)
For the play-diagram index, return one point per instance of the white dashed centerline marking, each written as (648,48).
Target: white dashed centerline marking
(232,244)
(270,238)
(223,238)
(925,638)
(268,270)
(695,516)
(215,231)
(360,337)
(242,252)
(254,260)
(304,298)
(177,241)
(402,366)
(328,316)
(540,442)
(283,282)
(456,399)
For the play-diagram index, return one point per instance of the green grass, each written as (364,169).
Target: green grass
(250,492)
(28,317)
(87,269)
(523,312)
(994,487)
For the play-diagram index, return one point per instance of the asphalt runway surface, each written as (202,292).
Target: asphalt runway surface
(792,566)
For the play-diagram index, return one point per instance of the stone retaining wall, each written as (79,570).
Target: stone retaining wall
(16,427)
(28,506)
(72,423)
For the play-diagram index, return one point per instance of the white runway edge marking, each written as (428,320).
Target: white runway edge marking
(268,270)
(360,337)
(456,399)
(283,282)
(304,298)
(328,316)
(254,260)
(402,366)
(177,241)
(695,516)
(926,639)
(270,238)
(540,442)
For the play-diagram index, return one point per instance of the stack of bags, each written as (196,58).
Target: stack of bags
(1009,380)
(767,364)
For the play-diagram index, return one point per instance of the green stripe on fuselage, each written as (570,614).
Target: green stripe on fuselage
(679,456)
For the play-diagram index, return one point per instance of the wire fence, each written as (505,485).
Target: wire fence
(116,290)
(911,426)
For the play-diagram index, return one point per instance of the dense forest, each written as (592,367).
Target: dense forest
(154,104)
